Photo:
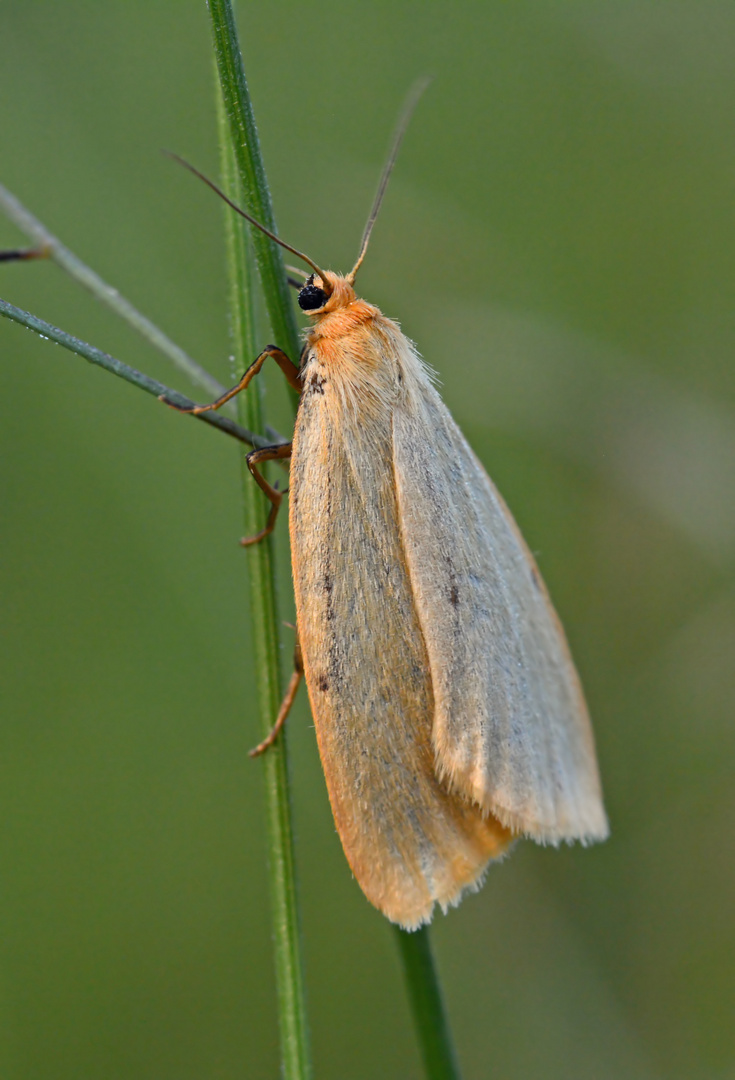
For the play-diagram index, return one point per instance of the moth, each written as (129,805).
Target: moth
(448,712)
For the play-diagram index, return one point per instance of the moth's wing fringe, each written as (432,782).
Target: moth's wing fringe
(456,898)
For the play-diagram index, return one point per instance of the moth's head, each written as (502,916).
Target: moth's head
(325,292)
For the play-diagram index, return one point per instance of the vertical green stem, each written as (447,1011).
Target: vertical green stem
(254,186)
(289,976)
(427,1005)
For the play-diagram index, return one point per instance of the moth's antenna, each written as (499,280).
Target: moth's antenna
(412,100)
(241,212)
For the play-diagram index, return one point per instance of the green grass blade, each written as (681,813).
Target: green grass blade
(427,1005)
(286,937)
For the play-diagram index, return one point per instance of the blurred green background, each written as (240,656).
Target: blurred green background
(559,241)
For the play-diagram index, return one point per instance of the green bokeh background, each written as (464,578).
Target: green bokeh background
(559,240)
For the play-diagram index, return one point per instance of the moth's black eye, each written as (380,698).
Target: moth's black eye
(312,297)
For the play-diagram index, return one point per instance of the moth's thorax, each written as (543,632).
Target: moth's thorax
(352,360)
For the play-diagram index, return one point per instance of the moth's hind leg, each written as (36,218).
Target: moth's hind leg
(254,458)
(288,700)
(286,365)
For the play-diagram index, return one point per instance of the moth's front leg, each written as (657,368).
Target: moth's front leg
(286,365)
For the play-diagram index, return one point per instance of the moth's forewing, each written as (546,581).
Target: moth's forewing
(409,841)
(511,729)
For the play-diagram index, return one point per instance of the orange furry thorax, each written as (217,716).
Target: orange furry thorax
(353,346)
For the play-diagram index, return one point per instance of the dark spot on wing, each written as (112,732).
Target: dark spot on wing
(317,383)
(328,586)
(453,587)
(322,682)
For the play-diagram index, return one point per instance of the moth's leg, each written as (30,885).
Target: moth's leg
(21,254)
(288,700)
(287,366)
(254,458)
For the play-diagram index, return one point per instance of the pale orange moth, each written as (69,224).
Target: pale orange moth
(449,715)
